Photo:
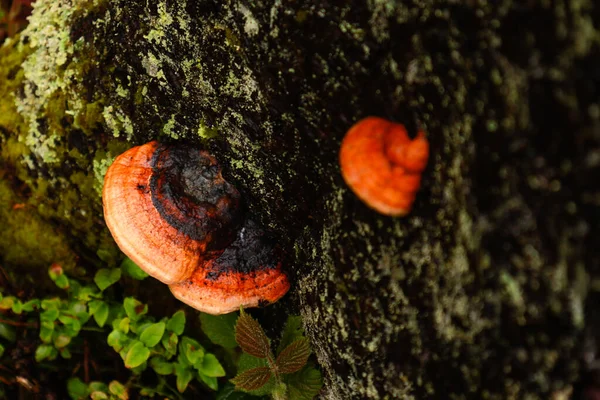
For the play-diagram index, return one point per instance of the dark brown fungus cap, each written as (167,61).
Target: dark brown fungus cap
(248,273)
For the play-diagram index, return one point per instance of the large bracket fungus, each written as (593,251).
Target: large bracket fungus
(171,211)
(382,165)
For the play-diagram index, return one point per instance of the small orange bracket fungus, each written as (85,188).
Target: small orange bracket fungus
(383,165)
(171,211)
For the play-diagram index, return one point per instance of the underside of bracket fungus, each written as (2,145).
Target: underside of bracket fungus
(383,165)
(171,211)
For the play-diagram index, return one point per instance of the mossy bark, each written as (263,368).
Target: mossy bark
(486,290)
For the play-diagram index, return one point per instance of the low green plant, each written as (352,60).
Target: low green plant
(286,376)
(158,347)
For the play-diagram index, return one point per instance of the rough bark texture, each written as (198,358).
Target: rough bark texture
(486,290)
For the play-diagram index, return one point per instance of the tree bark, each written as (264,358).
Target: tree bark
(487,289)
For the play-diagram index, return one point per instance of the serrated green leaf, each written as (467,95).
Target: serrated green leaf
(210,381)
(77,389)
(184,376)
(292,330)
(137,354)
(252,379)
(246,362)
(134,308)
(161,366)
(210,366)
(117,388)
(293,357)
(251,337)
(106,277)
(133,270)
(304,384)
(220,329)
(177,322)
(8,332)
(152,334)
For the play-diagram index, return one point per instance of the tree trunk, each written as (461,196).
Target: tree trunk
(487,289)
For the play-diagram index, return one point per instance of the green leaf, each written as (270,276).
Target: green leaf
(161,366)
(130,268)
(134,308)
(220,329)
(152,335)
(7,302)
(61,340)
(99,310)
(45,351)
(184,376)
(177,322)
(1,350)
(106,277)
(191,349)
(137,354)
(291,331)
(170,344)
(293,357)
(46,331)
(8,332)
(77,389)
(228,392)
(31,305)
(117,339)
(49,315)
(117,388)
(98,386)
(251,337)
(62,282)
(17,306)
(51,304)
(210,366)
(252,379)
(305,384)
(210,381)
(96,395)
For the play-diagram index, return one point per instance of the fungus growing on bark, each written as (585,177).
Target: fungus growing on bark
(171,211)
(383,165)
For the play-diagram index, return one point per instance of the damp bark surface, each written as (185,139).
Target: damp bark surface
(485,290)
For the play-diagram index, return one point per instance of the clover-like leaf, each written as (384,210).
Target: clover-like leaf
(152,334)
(294,356)
(137,355)
(132,269)
(106,277)
(251,337)
(177,323)
(252,379)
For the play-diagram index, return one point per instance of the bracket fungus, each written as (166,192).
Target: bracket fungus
(383,165)
(171,211)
